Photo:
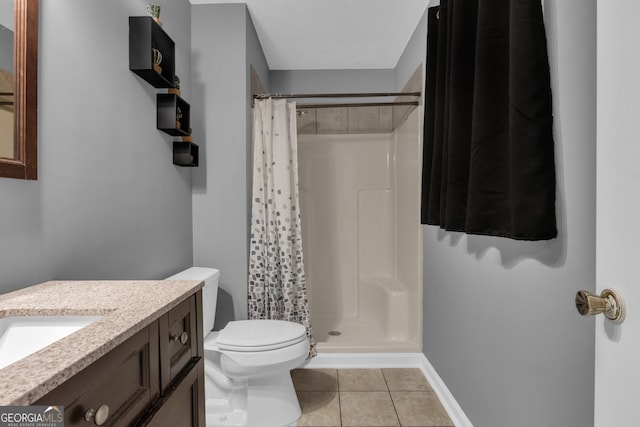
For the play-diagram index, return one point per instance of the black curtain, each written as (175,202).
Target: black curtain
(488,158)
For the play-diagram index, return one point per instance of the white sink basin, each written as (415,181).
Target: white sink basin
(22,335)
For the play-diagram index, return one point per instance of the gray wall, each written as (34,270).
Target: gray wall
(108,204)
(224,46)
(413,55)
(332,81)
(256,60)
(500,326)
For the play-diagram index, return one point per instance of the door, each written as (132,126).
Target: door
(617,361)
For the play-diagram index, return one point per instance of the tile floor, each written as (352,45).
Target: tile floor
(367,398)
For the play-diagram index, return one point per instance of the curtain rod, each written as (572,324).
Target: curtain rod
(334,95)
(362,104)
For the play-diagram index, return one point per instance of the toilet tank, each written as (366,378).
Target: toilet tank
(210,276)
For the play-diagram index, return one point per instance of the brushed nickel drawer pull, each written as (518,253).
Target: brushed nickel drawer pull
(99,417)
(183,338)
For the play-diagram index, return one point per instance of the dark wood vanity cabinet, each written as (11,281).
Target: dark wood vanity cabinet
(155,378)
(119,386)
(182,406)
(178,329)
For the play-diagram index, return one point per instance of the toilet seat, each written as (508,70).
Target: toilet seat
(256,348)
(259,335)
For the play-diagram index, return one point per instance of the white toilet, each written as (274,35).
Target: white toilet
(247,364)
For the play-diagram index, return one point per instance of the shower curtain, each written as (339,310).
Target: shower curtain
(277,283)
(488,165)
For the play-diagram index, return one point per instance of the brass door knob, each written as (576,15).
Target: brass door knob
(608,302)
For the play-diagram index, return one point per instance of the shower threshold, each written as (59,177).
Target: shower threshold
(358,336)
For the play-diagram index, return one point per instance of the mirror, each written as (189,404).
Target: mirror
(18,88)
(6,79)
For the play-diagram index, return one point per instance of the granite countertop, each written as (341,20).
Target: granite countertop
(126,307)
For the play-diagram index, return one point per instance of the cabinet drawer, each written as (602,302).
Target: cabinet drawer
(183,405)
(125,380)
(178,340)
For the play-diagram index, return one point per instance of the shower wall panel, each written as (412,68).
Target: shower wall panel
(333,169)
(375,222)
(361,238)
(408,235)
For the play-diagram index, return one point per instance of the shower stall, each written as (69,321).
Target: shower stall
(359,174)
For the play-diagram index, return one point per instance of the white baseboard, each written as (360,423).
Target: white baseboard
(364,360)
(449,402)
(395,360)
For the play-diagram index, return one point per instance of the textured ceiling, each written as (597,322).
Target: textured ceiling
(332,34)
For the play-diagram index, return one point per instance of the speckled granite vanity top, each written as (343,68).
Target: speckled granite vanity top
(126,306)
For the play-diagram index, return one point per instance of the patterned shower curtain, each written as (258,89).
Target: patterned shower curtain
(277,283)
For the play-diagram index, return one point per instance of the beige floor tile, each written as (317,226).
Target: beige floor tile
(406,379)
(315,379)
(420,409)
(319,409)
(367,409)
(361,380)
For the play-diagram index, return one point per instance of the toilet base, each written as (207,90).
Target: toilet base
(268,401)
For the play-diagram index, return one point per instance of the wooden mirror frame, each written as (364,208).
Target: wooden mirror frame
(24,165)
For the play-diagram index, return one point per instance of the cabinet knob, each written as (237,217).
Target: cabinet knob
(99,417)
(609,303)
(183,337)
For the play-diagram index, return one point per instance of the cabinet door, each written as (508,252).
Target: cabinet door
(183,405)
(124,383)
(178,340)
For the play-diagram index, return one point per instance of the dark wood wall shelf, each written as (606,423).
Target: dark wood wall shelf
(168,105)
(144,36)
(185,154)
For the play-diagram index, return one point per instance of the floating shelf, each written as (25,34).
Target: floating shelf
(144,36)
(168,105)
(185,154)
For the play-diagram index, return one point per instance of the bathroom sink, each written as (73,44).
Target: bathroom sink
(22,335)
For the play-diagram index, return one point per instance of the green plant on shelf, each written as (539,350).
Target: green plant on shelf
(154,10)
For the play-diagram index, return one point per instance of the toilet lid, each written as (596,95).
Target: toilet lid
(259,335)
